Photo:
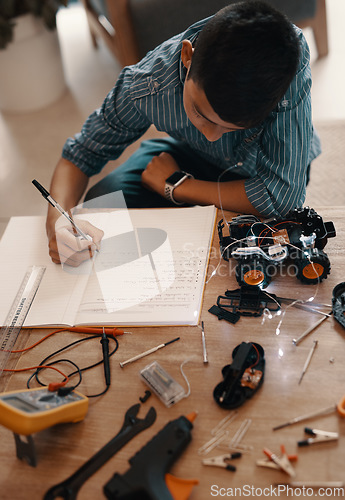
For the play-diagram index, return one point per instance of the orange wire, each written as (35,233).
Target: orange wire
(38,342)
(113,331)
(35,368)
(86,330)
(274,227)
(53,386)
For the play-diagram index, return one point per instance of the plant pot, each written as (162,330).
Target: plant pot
(31,75)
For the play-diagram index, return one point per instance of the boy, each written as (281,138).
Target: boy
(233,94)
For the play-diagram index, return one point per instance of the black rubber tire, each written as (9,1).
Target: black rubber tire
(314,269)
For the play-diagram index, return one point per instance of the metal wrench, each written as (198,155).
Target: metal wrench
(132,425)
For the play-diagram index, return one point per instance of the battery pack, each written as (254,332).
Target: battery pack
(162,384)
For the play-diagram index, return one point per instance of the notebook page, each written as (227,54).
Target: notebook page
(161,275)
(24,244)
(150,270)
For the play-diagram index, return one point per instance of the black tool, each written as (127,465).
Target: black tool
(222,460)
(148,477)
(338,303)
(222,313)
(132,425)
(243,377)
(248,301)
(143,399)
(105,350)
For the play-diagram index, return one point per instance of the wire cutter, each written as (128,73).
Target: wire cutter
(281,462)
(317,437)
(222,461)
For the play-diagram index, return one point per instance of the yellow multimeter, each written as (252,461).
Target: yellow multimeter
(32,410)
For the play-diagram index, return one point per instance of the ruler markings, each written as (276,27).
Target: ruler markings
(18,312)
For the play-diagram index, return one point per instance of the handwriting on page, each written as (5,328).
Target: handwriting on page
(180,282)
(152,264)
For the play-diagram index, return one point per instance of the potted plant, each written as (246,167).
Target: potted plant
(31,68)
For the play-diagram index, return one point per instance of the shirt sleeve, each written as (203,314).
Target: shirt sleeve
(284,149)
(108,130)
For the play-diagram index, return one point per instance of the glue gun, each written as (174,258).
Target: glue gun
(147,479)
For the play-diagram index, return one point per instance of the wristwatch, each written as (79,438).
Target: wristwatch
(172,182)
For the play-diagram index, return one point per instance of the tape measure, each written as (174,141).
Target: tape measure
(33,410)
(18,312)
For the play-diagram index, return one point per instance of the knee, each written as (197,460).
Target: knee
(93,192)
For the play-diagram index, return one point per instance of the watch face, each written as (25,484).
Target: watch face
(175,177)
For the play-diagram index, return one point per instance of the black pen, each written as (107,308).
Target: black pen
(55,204)
(105,349)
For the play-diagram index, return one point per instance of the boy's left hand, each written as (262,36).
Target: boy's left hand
(157,171)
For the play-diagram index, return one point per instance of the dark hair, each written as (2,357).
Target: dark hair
(244,60)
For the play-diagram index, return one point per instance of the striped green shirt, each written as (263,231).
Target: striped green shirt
(272,157)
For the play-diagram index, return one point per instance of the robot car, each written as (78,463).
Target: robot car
(260,247)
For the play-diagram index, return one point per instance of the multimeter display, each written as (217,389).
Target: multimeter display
(20,404)
(26,412)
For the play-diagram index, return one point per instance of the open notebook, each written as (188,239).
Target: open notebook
(151,269)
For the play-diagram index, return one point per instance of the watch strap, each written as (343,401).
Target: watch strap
(169,189)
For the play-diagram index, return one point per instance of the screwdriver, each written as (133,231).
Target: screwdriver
(312,350)
(146,353)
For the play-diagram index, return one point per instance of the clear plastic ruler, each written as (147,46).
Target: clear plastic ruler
(20,307)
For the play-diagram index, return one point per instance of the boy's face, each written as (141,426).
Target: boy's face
(201,114)
(197,107)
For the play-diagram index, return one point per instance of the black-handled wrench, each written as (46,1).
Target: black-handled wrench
(132,425)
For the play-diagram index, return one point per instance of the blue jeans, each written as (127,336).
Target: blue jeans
(127,177)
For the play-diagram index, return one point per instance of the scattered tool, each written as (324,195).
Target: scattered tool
(244,301)
(222,313)
(310,355)
(243,377)
(18,312)
(281,462)
(340,407)
(213,442)
(311,329)
(249,301)
(132,425)
(148,477)
(146,353)
(338,303)
(203,340)
(235,441)
(105,350)
(163,384)
(224,423)
(318,437)
(222,460)
(143,399)
(33,410)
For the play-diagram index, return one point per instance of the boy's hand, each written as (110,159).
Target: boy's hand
(157,171)
(66,248)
